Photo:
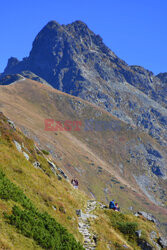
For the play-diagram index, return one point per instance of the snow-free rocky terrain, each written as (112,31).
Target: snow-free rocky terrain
(74,60)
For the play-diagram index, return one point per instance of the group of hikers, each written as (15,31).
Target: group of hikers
(74,182)
(114,206)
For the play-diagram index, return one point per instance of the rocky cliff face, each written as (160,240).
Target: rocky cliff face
(70,56)
(75,60)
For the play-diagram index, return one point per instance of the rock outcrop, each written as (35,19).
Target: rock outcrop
(32,76)
(162,242)
(147,216)
(20,149)
(75,60)
(12,124)
(8,79)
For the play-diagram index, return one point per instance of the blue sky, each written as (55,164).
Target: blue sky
(136,30)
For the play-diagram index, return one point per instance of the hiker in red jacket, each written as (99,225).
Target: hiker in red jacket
(74,182)
(116,208)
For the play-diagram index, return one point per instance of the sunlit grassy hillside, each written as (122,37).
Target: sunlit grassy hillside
(105,162)
(38,207)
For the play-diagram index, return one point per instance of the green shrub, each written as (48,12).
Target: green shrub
(127,227)
(120,221)
(69,218)
(9,191)
(45,152)
(44,229)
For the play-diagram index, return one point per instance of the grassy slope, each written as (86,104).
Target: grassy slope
(45,190)
(81,154)
(109,232)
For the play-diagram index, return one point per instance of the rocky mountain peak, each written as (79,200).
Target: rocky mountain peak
(141,70)
(73,59)
(52,24)
(77,27)
(162,77)
(50,27)
(47,34)
(78,24)
(12,62)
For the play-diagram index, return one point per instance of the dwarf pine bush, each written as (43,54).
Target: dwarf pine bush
(41,227)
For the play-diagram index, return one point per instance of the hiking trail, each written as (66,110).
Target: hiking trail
(84,225)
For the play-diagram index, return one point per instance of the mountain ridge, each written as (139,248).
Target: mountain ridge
(59,43)
(42,210)
(123,162)
(74,60)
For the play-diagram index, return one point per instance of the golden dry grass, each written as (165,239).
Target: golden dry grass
(79,154)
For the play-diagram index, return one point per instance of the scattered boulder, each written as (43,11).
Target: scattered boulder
(18,146)
(52,165)
(138,233)
(36,164)
(153,235)
(162,242)
(157,246)
(62,173)
(54,207)
(125,246)
(95,238)
(102,206)
(12,124)
(144,245)
(37,150)
(147,216)
(79,212)
(59,177)
(26,156)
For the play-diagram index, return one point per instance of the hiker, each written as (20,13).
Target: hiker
(75,183)
(112,204)
(116,208)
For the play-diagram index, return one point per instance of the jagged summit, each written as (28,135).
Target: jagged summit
(78,23)
(162,77)
(51,26)
(52,23)
(12,62)
(59,51)
(78,28)
(73,59)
